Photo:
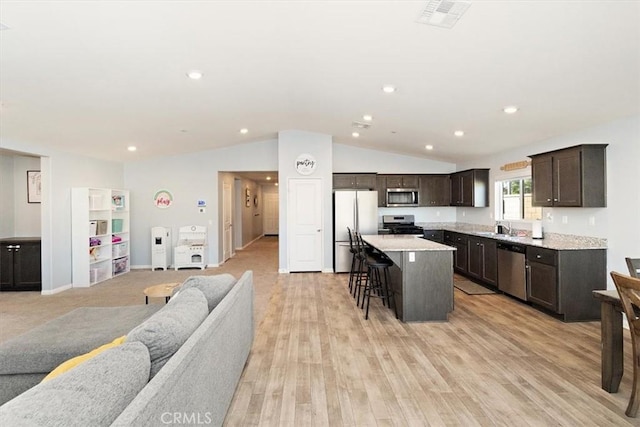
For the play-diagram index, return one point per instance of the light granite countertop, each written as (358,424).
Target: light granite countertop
(403,242)
(551,240)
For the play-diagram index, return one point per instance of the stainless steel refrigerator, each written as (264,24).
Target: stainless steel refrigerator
(357,210)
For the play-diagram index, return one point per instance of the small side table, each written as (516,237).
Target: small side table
(163,290)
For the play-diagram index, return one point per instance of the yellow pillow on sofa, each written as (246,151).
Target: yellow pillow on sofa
(72,363)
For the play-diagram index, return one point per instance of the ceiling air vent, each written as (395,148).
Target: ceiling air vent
(443,13)
(361,125)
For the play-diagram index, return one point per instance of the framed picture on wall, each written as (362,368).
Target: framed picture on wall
(34,187)
(247,194)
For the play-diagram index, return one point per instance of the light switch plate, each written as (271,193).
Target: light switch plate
(412,257)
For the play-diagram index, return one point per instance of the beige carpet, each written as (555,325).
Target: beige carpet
(21,311)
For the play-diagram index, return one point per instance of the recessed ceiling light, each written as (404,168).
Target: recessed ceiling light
(268,178)
(459,133)
(510,109)
(276,184)
(132,148)
(429,147)
(244,130)
(355,134)
(367,117)
(194,74)
(388,88)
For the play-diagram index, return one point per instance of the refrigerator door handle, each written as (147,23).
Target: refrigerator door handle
(355,213)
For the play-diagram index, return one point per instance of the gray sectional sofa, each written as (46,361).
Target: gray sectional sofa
(179,365)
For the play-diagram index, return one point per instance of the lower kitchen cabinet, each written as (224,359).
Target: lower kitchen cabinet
(483,260)
(459,241)
(562,281)
(434,235)
(20,264)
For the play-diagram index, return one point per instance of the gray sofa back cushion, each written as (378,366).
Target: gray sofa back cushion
(165,331)
(93,393)
(214,288)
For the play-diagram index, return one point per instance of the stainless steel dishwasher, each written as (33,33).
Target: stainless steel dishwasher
(512,275)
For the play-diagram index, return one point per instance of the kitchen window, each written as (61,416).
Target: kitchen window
(514,200)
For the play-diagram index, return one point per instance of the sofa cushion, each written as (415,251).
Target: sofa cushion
(78,360)
(165,331)
(94,393)
(46,346)
(214,288)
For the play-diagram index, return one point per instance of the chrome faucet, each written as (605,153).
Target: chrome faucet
(503,224)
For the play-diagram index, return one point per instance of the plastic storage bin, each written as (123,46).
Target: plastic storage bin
(116,225)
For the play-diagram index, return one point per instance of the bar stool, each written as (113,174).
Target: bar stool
(356,261)
(375,285)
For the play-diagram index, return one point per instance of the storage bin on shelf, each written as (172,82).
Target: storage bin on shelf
(120,265)
(120,249)
(116,225)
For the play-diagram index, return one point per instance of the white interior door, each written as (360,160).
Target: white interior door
(304,229)
(271,214)
(227,224)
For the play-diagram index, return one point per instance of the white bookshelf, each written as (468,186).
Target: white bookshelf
(100,234)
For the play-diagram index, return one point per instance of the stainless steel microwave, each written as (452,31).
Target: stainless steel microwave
(402,197)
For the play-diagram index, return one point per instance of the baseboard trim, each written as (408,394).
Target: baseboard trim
(57,290)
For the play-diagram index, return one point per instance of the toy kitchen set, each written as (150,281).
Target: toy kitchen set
(190,251)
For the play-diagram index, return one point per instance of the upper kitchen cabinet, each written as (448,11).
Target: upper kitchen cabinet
(571,177)
(470,188)
(357,181)
(381,186)
(434,190)
(402,181)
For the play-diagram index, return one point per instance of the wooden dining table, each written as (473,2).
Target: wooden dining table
(611,339)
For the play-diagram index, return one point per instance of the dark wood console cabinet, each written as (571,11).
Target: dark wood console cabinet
(20,264)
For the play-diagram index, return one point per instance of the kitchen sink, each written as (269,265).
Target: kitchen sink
(500,236)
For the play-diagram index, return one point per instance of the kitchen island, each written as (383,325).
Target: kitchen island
(421,277)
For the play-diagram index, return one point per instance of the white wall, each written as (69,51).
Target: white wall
(27,217)
(17,217)
(60,172)
(292,143)
(189,177)
(355,159)
(7,196)
(618,222)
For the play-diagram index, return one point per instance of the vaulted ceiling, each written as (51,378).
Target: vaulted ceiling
(97,77)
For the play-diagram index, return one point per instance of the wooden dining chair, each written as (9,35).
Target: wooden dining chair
(634,266)
(629,290)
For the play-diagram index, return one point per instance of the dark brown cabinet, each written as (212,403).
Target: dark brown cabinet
(434,235)
(357,181)
(470,188)
(483,259)
(571,177)
(435,190)
(459,241)
(402,181)
(381,186)
(562,281)
(20,264)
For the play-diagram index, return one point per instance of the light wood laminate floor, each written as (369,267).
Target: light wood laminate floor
(316,362)
(497,362)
